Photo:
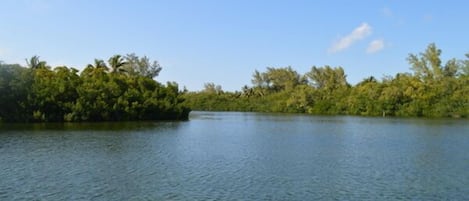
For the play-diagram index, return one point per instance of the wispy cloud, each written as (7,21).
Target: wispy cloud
(375,46)
(357,34)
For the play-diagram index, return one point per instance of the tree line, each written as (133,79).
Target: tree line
(121,89)
(433,89)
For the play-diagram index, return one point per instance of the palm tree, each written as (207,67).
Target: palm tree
(117,64)
(247,91)
(98,68)
(98,64)
(35,63)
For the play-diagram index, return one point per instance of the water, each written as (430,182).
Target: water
(238,156)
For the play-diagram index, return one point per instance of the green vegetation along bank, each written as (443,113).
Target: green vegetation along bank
(121,90)
(433,89)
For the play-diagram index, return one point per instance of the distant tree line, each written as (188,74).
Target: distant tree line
(433,89)
(121,89)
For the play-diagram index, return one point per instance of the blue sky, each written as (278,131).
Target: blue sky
(225,41)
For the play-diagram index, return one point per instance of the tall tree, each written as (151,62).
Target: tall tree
(451,68)
(117,64)
(212,88)
(98,64)
(465,66)
(35,63)
(142,66)
(327,77)
(283,78)
(427,65)
(260,80)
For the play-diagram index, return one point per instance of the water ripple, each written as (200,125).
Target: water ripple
(239,156)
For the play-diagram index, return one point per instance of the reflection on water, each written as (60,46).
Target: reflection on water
(237,156)
(98,126)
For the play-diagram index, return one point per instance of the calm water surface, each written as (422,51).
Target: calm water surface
(238,156)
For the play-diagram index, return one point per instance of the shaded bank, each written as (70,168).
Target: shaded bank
(124,91)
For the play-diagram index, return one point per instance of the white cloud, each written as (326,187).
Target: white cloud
(375,46)
(357,34)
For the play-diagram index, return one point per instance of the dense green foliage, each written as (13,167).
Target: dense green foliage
(123,91)
(433,90)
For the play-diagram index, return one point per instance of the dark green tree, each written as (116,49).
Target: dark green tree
(117,64)
(35,63)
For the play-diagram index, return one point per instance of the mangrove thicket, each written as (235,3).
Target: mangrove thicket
(120,89)
(433,89)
